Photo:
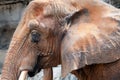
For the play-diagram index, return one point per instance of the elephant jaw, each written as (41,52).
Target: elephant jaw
(30,68)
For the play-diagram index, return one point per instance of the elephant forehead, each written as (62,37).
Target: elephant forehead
(48,22)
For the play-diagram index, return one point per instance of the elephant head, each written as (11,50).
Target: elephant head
(51,33)
(36,42)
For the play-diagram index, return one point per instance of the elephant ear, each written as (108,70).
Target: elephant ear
(88,41)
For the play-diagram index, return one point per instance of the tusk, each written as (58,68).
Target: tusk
(23,75)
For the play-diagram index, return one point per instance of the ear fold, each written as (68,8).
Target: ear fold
(76,15)
(87,43)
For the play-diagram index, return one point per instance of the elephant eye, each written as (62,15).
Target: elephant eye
(35,36)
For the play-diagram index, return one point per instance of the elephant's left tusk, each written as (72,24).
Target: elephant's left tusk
(23,75)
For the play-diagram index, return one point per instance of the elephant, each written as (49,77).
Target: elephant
(35,44)
(81,35)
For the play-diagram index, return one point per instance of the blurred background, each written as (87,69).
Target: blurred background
(10,14)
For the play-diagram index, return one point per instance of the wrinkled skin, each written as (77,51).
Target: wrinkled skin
(35,44)
(86,42)
(39,47)
(46,50)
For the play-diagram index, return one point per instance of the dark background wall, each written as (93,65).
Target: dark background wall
(10,14)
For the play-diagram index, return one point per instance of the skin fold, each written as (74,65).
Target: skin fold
(82,36)
(36,42)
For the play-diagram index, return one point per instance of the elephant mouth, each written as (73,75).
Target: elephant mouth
(24,73)
(34,71)
(29,71)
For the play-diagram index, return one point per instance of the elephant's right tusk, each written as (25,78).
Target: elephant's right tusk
(23,75)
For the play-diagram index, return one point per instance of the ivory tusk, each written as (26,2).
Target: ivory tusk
(23,75)
(0,77)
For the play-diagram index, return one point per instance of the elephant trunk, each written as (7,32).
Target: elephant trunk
(11,72)
(11,67)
